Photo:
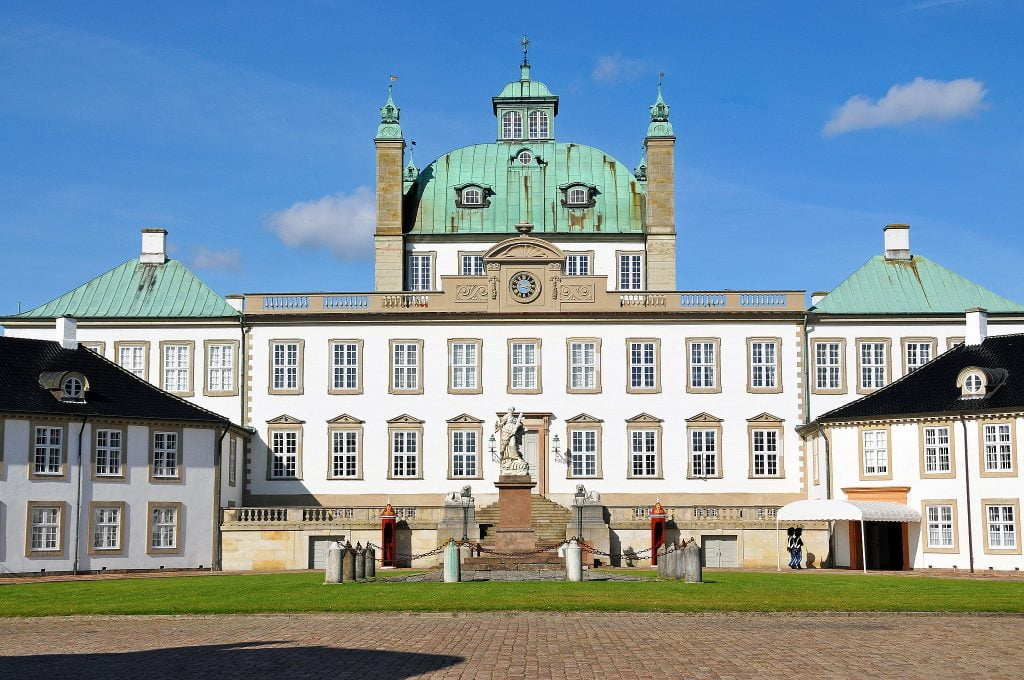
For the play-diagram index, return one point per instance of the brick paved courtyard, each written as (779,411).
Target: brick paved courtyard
(516,645)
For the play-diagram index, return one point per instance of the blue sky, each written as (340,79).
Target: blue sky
(802,128)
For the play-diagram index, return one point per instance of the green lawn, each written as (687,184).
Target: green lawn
(305,592)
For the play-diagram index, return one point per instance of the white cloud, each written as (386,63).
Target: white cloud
(341,223)
(929,4)
(206,258)
(922,99)
(611,68)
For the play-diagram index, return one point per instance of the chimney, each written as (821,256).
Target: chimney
(154,246)
(67,332)
(977,326)
(817,296)
(897,241)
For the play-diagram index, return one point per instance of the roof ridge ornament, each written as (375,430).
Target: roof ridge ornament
(389,115)
(524,68)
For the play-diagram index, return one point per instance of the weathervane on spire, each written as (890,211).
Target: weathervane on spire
(525,42)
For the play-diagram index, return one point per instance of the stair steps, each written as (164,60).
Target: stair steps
(547,518)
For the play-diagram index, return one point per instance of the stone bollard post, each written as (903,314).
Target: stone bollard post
(348,563)
(360,562)
(670,560)
(332,566)
(371,561)
(662,559)
(573,561)
(691,560)
(452,567)
(678,564)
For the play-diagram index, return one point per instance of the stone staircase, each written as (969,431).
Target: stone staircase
(548,519)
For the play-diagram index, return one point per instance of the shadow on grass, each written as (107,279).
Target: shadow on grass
(238,660)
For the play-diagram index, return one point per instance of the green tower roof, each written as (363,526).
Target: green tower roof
(914,286)
(133,290)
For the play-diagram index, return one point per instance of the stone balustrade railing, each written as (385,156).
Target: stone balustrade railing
(299,517)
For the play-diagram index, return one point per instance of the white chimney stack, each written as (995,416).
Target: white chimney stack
(897,241)
(817,296)
(154,246)
(977,326)
(67,332)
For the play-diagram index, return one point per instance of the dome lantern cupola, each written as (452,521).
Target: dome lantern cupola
(525,109)
(660,125)
(389,115)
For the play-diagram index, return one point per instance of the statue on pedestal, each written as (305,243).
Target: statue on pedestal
(510,432)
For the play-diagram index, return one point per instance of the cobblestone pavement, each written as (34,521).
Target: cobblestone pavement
(514,645)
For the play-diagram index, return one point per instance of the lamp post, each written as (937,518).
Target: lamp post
(578,500)
(466,499)
(492,448)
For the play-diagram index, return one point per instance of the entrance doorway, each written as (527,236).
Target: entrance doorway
(719,551)
(885,544)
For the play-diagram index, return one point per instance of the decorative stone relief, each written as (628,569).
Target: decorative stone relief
(471,293)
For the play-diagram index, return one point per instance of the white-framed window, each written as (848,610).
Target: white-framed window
(420,274)
(345,366)
(577,264)
(284,454)
(1002,527)
(704,452)
(702,364)
(872,365)
(524,157)
(164,528)
(583,453)
(940,526)
(47,458)
(918,354)
(109,453)
(764,364)
(828,365)
(45,528)
(875,445)
(404,453)
(643,366)
(539,125)
(72,389)
(973,384)
(166,454)
(998,447)
(344,453)
(405,366)
(577,196)
(936,450)
(524,365)
(630,275)
(176,367)
(511,125)
(766,452)
(465,453)
(106,529)
(471,265)
(220,367)
(465,365)
(132,358)
(286,365)
(472,196)
(583,364)
(644,452)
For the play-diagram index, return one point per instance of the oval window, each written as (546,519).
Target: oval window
(72,388)
(524,157)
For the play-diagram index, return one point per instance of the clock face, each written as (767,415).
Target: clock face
(524,286)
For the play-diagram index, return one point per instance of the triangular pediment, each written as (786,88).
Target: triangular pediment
(583,418)
(765,418)
(703,417)
(644,418)
(524,248)
(285,419)
(406,419)
(465,418)
(345,419)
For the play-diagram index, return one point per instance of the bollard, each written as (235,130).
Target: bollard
(573,561)
(348,563)
(360,562)
(371,561)
(452,568)
(678,564)
(691,560)
(662,559)
(332,565)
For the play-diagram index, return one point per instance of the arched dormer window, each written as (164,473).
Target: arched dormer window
(65,385)
(978,383)
(472,196)
(540,127)
(72,389)
(578,196)
(511,125)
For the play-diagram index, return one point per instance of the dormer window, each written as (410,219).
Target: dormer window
(64,385)
(977,383)
(511,125)
(524,157)
(472,196)
(578,196)
(540,127)
(72,389)
(973,384)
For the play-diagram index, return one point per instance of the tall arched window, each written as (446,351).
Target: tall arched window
(511,125)
(539,125)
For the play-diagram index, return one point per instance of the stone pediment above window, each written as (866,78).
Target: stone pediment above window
(464,418)
(525,248)
(584,419)
(345,419)
(644,418)
(473,196)
(578,195)
(703,417)
(285,419)
(405,419)
(766,418)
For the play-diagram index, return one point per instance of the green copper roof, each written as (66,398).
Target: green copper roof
(660,126)
(913,286)
(533,193)
(389,116)
(134,289)
(530,89)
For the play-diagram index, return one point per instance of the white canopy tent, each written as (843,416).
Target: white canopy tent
(820,509)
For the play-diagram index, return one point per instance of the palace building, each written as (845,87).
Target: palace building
(534,273)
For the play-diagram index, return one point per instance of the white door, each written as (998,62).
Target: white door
(318,550)
(719,551)
(531,451)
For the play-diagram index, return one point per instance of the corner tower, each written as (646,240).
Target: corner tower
(660,144)
(388,242)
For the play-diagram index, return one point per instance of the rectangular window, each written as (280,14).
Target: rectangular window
(936,450)
(404,453)
(345,366)
(875,445)
(582,364)
(465,453)
(702,365)
(176,362)
(220,367)
(166,454)
(109,453)
(284,452)
(344,453)
(577,265)
(233,463)
(940,526)
(644,452)
(764,364)
(643,365)
(132,358)
(998,448)
(285,366)
(872,365)
(583,453)
(49,451)
(917,354)
(465,365)
(1002,527)
(703,453)
(420,276)
(523,366)
(45,528)
(766,453)
(106,529)
(164,528)
(828,365)
(629,271)
(405,366)
(471,265)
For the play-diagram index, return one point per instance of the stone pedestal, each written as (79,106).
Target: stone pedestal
(514,533)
